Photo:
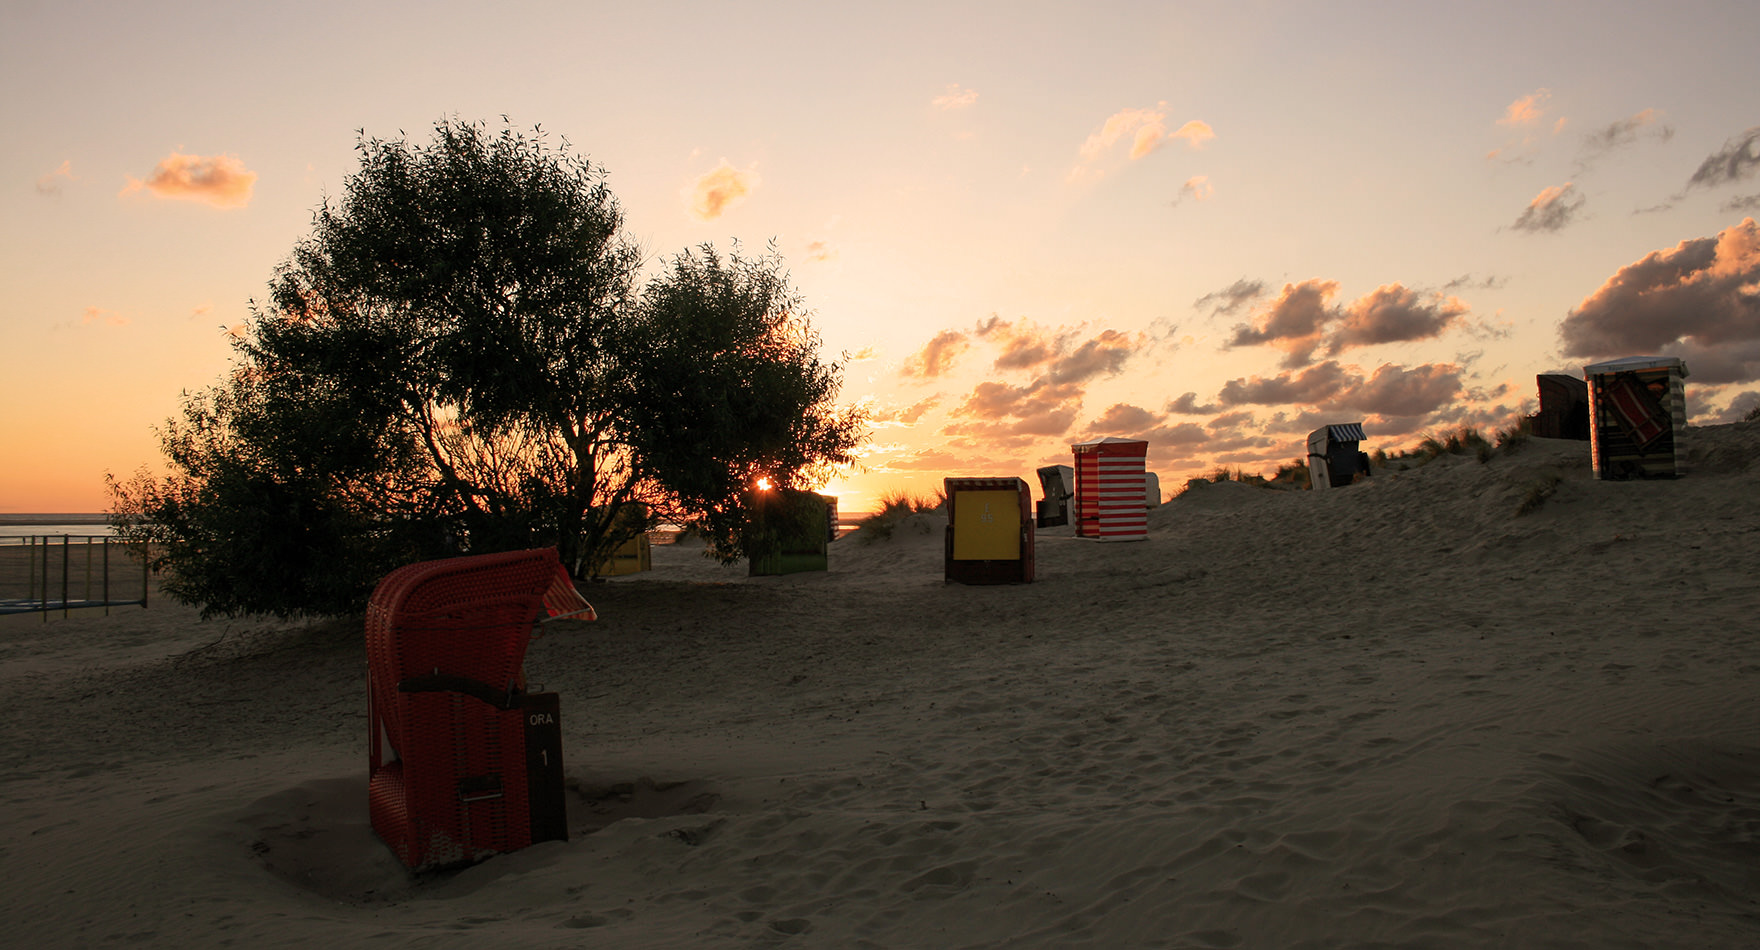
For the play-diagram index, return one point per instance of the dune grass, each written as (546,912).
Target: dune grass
(1539,490)
(1511,439)
(1292,474)
(1465,440)
(1223,473)
(894,508)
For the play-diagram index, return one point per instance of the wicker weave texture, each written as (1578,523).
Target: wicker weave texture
(453,787)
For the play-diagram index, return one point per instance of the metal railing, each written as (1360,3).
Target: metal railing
(46,573)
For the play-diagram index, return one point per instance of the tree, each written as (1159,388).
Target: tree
(457,359)
(726,388)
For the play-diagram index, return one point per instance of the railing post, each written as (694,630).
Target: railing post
(106,577)
(64,573)
(30,560)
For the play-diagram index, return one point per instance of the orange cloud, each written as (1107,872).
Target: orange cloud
(50,184)
(892,416)
(1528,110)
(1143,127)
(219,180)
(955,98)
(1103,355)
(1008,416)
(1551,210)
(1195,133)
(1013,415)
(936,356)
(1024,344)
(109,318)
(1197,188)
(821,251)
(1124,417)
(718,190)
(1187,405)
(1054,352)
(1145,130)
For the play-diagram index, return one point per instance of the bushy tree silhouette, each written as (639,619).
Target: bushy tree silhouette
(458,358)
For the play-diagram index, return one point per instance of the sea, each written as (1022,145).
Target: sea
(55,524)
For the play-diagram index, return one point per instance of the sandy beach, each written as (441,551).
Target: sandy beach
(1395,715)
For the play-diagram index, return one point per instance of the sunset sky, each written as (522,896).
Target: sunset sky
(1211,225)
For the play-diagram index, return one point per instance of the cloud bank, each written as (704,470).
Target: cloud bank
(1699,300)
(1040,377)
(1303,319)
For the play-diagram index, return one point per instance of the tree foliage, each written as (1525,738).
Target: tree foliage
(458,358)
(726,388)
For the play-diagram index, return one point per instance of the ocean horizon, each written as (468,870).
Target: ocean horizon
(55,524)
(57,518)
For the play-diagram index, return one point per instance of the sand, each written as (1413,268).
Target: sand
(1397,714)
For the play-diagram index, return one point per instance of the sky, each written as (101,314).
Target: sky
(1214,226)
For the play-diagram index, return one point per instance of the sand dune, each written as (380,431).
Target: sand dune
(1399,714)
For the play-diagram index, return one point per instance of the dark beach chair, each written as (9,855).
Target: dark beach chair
(447,755)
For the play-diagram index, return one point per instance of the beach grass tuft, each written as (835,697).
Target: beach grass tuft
(1511,440)
(1539,490)
(894,508)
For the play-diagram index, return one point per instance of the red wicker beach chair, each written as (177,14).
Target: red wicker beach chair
(447,753)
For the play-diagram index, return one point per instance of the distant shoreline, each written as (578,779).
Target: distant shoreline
(27,519)
(848,519)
